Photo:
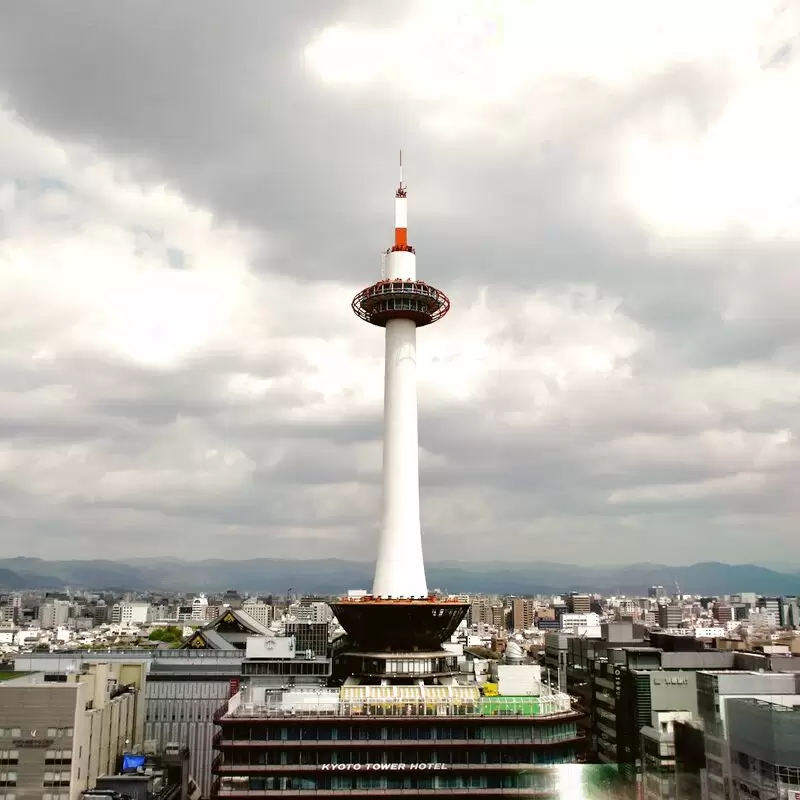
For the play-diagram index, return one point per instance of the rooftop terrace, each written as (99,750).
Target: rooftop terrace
(394,701)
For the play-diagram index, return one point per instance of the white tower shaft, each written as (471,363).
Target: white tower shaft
(400,570)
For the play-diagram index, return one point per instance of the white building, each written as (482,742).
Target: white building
(54,614)
(581,624)
(199,606)
(259,611)
(130,614)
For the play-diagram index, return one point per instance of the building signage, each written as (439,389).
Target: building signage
(672,681)
(391,767)
(39,743)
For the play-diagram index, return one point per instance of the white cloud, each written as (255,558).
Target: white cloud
(741,173)
(464,62)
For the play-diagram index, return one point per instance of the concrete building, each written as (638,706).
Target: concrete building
(312,611)
(770,607)
(630,683)
(578,603)
(501,616)
(523,614)
(715,689)
(658,755)
(480,612)
(582,624)
(764,749)
(56,738)
(669,616)
(199,606)
(131,613)
(262,613)
(54,614)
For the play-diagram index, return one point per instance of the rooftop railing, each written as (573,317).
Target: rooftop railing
(548,706)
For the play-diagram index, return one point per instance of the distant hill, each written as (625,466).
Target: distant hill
(13,581)
(331,576)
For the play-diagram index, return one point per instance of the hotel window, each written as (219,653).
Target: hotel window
(56,732)
(58,757)
(9,758)
(6,796)
(10,732)
(60,778)
(8,778)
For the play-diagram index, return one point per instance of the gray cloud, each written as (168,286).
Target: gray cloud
(619,391)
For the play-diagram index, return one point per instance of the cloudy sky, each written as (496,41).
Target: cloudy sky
(191,193)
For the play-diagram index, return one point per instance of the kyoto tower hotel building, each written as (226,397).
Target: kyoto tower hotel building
(404,713)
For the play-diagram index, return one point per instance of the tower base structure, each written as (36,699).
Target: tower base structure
(396,640)
(389,625)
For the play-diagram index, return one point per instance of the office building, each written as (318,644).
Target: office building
(715,690)
(523,614)
(133,613)
(578,603)
(57,737)
(658,755)
(669,616)
(764,740)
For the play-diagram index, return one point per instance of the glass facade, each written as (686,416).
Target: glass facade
(393,756)
(537,783)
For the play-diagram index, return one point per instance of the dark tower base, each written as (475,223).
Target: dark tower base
(391,626)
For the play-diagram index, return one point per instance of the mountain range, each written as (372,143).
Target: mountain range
(333,576)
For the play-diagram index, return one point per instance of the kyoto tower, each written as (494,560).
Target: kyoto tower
(400,303)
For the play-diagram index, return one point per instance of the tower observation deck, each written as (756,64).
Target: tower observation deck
(400,614)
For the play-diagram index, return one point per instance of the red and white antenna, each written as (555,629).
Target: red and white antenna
(401,212)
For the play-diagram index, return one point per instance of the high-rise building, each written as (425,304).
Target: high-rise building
(669,616)
(523,614)
(480,612)
(578,603)
(401,718)
(723,613)
(54,614)
(501,615)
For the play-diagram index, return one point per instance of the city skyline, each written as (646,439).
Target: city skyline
(191,198)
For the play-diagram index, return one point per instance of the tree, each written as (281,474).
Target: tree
(171,634)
